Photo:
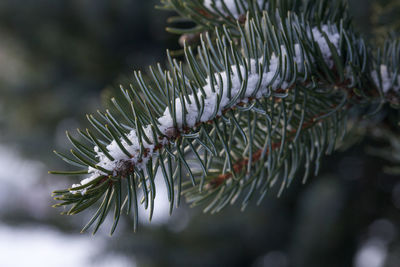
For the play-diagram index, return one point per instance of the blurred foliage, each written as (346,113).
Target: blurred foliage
(56,57)
(390,151)
(385,16)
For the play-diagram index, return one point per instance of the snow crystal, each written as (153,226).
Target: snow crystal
(216,89)
(387,79)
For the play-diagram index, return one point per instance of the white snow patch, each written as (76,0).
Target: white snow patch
(42,246)
(21,182)
(372,254)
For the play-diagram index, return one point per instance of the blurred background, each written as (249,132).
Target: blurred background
(62,59)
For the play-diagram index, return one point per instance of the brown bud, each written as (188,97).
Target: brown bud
(171,132)
(242,19)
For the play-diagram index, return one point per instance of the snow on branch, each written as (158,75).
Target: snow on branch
(221,92)
(386,80)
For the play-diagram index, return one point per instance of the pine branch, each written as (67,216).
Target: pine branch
(258,100)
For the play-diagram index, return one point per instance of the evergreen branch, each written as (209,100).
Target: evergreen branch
(260,98)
